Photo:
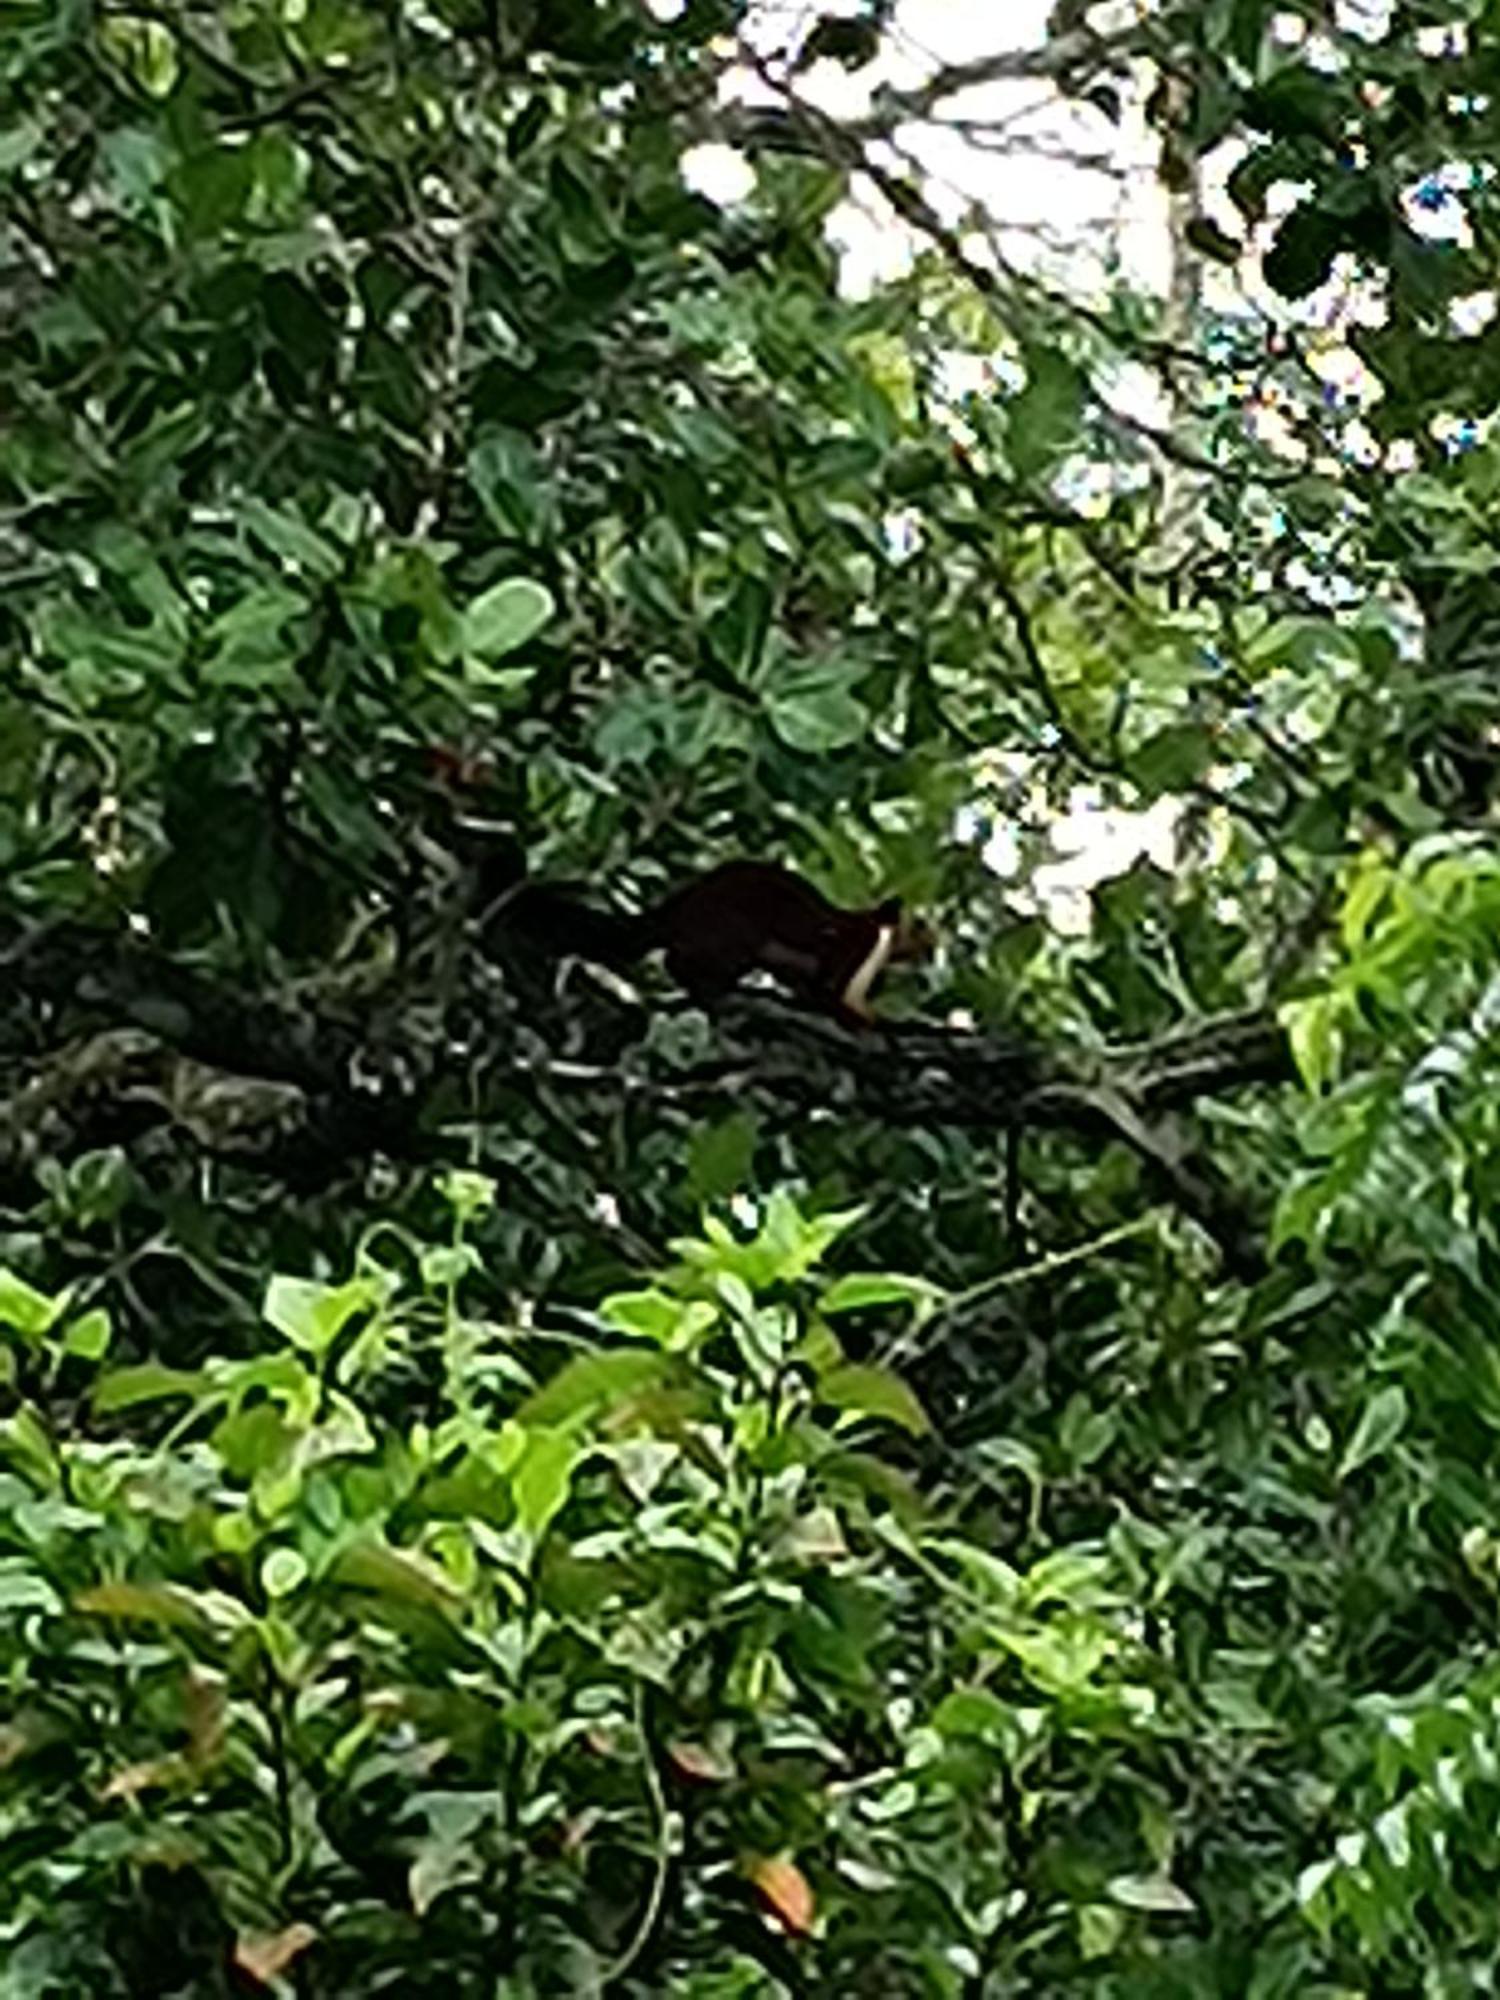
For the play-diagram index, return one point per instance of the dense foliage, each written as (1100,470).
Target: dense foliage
(510,1482)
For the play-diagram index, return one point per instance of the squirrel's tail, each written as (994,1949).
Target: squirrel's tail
(558,924)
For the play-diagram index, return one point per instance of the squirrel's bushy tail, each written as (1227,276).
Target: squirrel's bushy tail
(559,924)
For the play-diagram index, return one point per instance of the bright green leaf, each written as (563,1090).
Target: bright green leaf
(859,1291)
(542,1480)
(25,1309)
(88,1336)
(283,1571)
(1156,1894)
(311,1315)
(506,617)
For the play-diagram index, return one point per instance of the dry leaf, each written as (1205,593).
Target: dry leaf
(698,1765)
(575,1832)
(205,1700)
(134,1779)
(15,1741)
(266,1957)
(785,1893)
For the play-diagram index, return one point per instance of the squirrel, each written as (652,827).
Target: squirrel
(740,917)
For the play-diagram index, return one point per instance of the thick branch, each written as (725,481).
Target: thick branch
(314,1086)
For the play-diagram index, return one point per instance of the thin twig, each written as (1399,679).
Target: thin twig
(646,1923)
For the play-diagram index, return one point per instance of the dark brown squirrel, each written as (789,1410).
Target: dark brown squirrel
(741,917)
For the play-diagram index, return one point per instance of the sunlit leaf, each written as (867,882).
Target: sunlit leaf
(860,1291)
(283,1571)
(1154,1893)
(506,617)
(265,1955)
(313,1315)
(785,1894)
(25,1309)
(542,1479)
(88,1336)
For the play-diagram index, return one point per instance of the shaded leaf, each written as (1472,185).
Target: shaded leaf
(150,1603)
(1381,1422)
(399,1573)
(861,1389)
(589,1381)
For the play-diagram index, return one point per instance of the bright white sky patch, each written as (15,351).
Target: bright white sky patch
(1050,188)
(720,173)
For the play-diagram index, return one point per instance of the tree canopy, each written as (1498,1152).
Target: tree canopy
(511,1479)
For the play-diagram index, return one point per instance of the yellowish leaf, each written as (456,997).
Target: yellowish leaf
(785,1894)
(267,1955)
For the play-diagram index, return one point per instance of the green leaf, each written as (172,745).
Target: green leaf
(445,1264)
(737,633)
(1173,759)
(1043,422)
(861,1389)
(654,1315)
(25,1309)
(1314,1031)
(720,1157)
(588,1381)
(543,1479)
(859,1291)
(1156,1894)
(25,1589)
(398,1573)
(284,534)
(506,617)
(506,470)
(18,144)
(312,1316)
(1381,1422)
(254,1441)
(976,1712)
(468,1194)
(283,1571)
(148,1382)
(438,1866)
(1295,102)
(816,712)
(1072,1576)
(26,1440)
(1206,237)
(88,1336)
(145,1603)
(146,48)
(1367,892)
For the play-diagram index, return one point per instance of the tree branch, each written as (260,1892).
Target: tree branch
(311,1086)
